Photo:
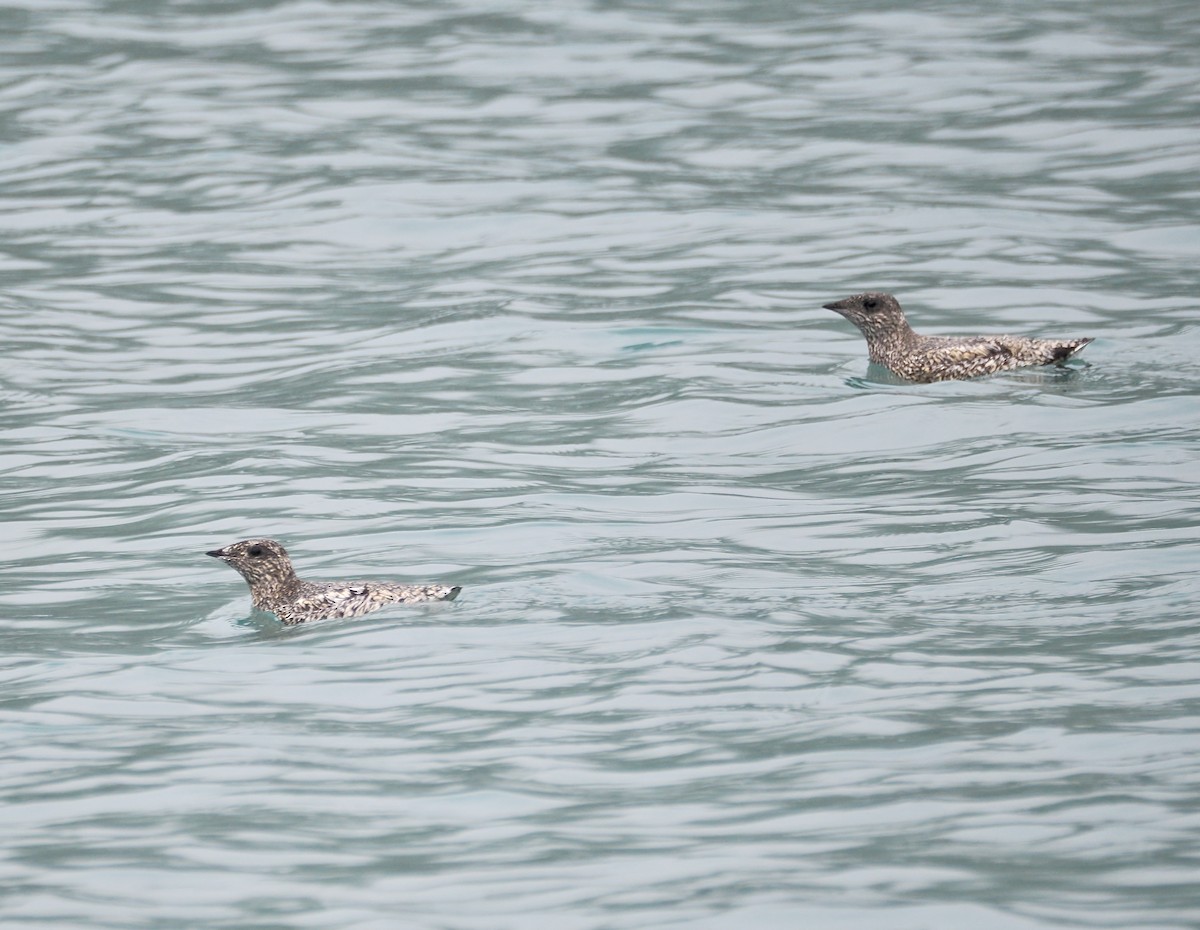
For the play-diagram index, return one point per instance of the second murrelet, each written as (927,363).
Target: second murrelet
(892,343)
(265,565)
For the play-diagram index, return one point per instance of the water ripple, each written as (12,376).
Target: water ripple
(529,300)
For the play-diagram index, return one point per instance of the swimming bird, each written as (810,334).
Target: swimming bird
(893,344)
(265,565)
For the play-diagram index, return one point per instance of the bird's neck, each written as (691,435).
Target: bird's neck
(267,592)
(884,343)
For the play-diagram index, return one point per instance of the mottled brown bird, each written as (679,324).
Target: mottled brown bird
(892,343)
(265,565)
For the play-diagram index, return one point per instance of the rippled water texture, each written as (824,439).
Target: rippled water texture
(527,298)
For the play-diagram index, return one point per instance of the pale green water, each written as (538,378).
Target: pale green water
(527,299)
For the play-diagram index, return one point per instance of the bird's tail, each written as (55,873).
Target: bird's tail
(1064,350)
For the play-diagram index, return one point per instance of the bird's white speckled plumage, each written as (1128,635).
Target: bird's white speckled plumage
(274,586)
(892,343)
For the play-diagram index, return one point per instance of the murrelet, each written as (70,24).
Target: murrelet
(265,565)
(892,343)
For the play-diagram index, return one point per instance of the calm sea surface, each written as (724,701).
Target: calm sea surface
(527,298)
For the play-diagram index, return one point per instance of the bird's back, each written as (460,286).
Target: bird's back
(943,358)
(331,600)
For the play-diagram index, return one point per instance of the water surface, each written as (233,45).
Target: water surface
(528,300)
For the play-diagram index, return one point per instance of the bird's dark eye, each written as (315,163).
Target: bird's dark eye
(256,551)
(870,303)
